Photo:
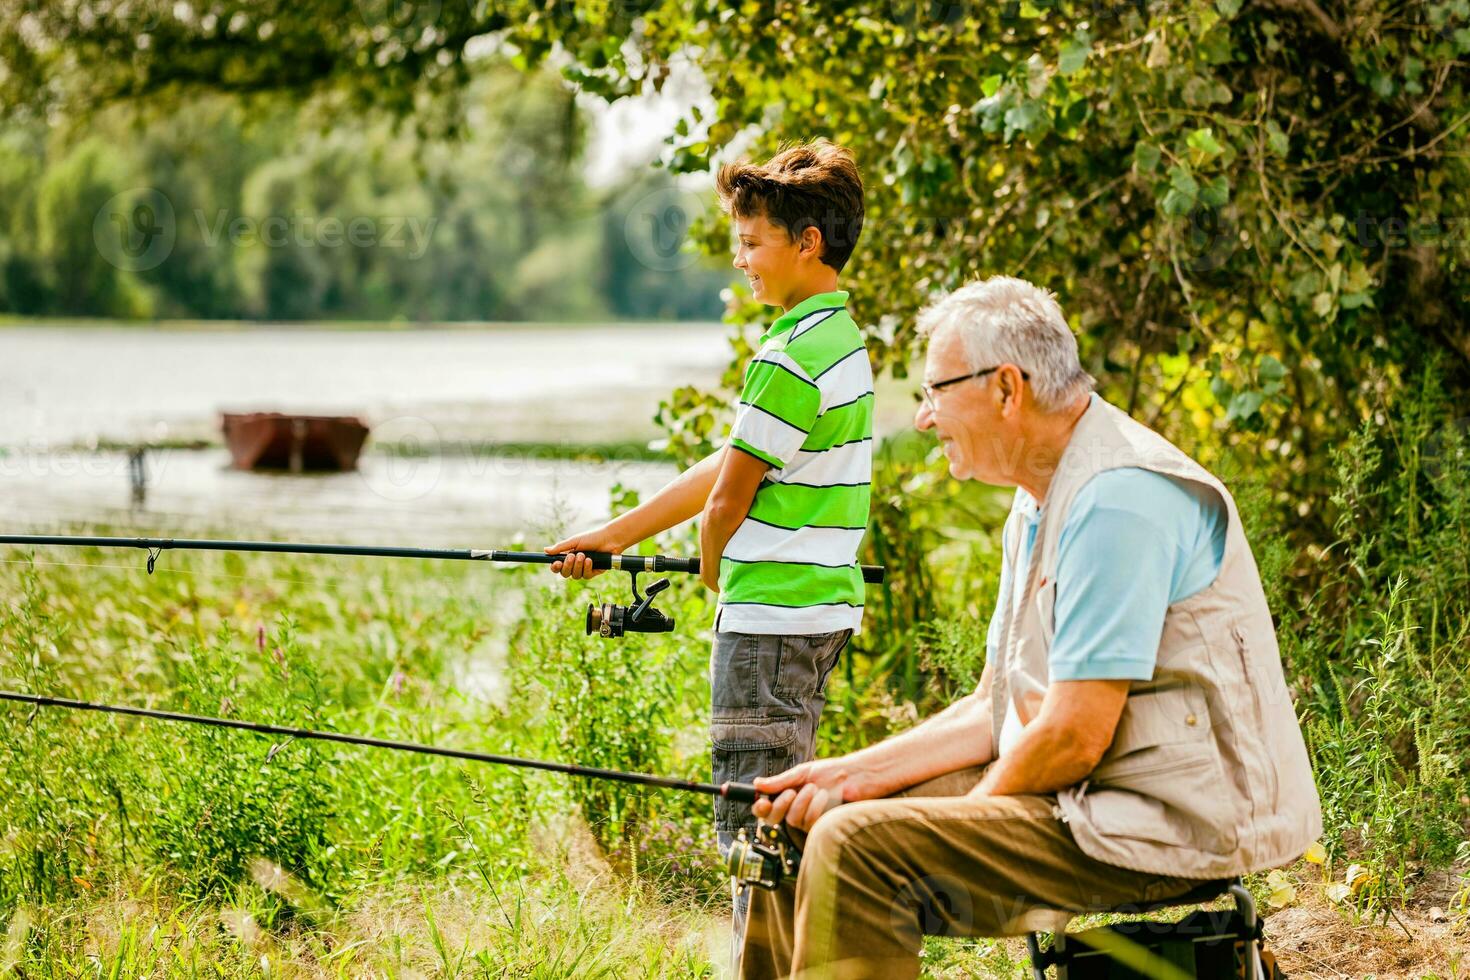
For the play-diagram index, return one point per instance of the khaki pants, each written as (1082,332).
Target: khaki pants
(878,875)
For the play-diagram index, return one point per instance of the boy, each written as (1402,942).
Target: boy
(784,503)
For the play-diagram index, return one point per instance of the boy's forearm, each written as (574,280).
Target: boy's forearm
(716,527)
(681,500)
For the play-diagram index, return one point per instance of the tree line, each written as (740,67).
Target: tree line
(218,207)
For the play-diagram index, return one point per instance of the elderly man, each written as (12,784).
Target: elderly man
(1131,733)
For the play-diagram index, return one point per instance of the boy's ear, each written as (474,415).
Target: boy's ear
(810,240)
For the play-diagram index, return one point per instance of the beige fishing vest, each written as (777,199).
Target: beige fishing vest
(1207,775)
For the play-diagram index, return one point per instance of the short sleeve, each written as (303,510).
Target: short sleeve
(778,407)
(1117,560)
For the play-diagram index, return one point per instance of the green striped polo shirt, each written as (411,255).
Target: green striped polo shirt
(807,411)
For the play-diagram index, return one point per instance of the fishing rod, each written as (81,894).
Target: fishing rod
(608,620)
(761,861)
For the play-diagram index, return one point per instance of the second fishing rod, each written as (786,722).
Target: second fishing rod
(607,619)
(762,860)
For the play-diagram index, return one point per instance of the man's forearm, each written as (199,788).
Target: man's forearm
(956,738)
(682,499)
(1043,760)
(1063,743)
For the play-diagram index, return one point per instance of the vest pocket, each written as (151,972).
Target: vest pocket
(1265,765)
(1162,778)
(1168,794)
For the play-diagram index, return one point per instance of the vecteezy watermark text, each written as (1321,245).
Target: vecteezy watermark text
(138,229)
(305,230)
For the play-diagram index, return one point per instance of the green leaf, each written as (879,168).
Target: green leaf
(1270,369)
(1244,405)
(1197,91)
(1073,57)
(1204,145)
(1183,192)
(1217,192)
(1023,118)
(1276,139)
(1183,181)
(1228,8)
(1145,157)
(1177,204)
(990,84)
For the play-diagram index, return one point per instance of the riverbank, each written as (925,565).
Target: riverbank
(140,848)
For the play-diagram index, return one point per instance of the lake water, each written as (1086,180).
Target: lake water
(63,388)
(61,385)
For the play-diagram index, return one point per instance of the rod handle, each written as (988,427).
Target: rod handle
(739,792)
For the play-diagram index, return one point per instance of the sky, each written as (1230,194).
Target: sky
(632,132)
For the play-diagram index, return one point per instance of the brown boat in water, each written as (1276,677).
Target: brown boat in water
(298,443)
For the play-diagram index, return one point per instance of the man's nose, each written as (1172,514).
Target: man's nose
(739,261)
(923,416)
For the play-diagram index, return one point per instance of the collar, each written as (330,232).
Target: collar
(789,319)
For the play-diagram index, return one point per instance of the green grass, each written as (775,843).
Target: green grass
(131,830)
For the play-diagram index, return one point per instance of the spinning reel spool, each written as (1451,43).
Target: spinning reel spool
(613,620)
(762,860)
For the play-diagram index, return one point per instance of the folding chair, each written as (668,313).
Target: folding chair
(1243,926)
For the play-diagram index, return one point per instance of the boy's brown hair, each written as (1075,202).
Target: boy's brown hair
(814,185)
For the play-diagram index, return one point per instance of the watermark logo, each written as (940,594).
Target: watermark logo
(135,231)
(659,226)
(934,905)
(1210,238)
(411,470)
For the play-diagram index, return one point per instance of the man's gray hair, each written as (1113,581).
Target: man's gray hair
(1003,320)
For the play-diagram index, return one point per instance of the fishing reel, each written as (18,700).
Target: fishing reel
(762,860)
(613,620)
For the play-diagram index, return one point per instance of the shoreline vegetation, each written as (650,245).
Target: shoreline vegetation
(612,450)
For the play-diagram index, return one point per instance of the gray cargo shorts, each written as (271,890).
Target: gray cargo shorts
(767,693)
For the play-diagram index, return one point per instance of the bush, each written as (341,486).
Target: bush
(231,798)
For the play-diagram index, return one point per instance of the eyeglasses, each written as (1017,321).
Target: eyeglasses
(929,388)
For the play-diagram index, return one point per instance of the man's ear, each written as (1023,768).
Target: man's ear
(1008,384)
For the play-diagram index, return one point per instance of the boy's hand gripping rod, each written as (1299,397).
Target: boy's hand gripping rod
(609,619)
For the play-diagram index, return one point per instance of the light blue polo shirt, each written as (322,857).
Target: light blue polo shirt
(1135,543)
